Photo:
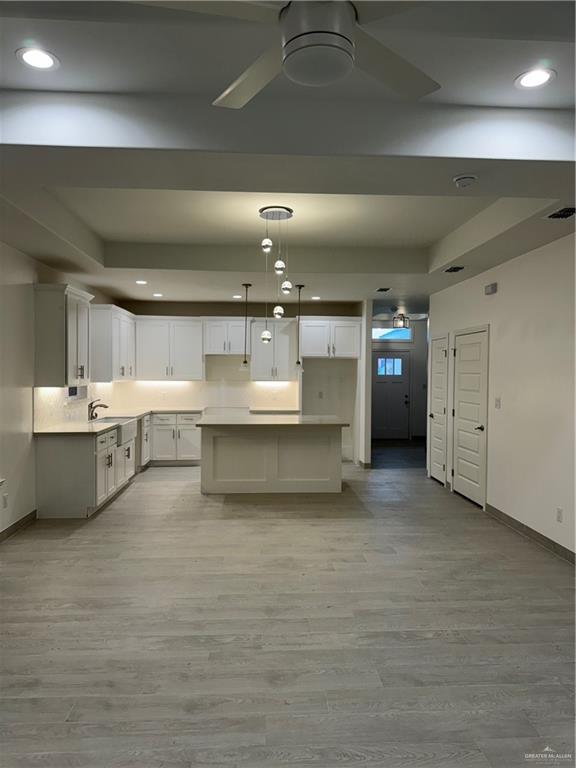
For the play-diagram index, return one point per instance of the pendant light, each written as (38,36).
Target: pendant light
(278,312)
(279,214)
(400,321)
(279,267)
(298,361)
(244,364)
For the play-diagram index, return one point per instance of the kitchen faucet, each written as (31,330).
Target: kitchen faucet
(92,413)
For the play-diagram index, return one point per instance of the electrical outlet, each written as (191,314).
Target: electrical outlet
(559,515)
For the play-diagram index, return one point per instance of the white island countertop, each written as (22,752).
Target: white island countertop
(269,420)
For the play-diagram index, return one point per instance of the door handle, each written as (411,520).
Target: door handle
(480,428)
(430,415)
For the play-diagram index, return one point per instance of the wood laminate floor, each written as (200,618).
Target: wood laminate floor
(392,626)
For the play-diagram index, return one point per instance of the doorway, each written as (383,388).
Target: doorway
(390,395)
(470,414)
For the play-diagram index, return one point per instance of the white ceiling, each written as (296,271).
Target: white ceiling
(475,50)
(228,218)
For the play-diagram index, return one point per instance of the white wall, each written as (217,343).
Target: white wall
(531,368)
(17,276)
(418,350)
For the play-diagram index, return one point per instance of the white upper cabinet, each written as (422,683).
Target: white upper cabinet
(330,337)
(275,361)
(168,349)
(62,336)
(113,343)
(224,337)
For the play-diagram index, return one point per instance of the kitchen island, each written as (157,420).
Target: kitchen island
(271,453)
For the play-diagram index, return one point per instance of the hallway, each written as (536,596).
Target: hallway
(394,625)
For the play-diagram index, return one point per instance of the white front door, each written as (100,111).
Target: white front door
(438,404)
(391,395)
(470,415)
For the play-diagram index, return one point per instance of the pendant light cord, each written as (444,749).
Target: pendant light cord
(246,286)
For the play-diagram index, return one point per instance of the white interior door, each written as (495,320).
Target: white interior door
(391,395)
(470,415)
(186,357)
(438,405)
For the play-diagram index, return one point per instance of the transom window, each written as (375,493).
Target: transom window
(391,334)
(389,366)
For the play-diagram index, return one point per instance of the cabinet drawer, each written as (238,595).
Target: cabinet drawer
(101,442)
(146,421)
(188,418)
(163,418)
(112,437)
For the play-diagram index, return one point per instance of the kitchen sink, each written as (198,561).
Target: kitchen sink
(127,427)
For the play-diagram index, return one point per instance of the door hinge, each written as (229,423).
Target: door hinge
(452,472)
(443,467)
(453,412)
(454,351)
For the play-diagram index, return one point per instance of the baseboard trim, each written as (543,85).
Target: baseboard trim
(365,464)
(530,533)
(159,463)
(24,522)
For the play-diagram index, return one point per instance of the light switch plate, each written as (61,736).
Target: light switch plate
(498,403)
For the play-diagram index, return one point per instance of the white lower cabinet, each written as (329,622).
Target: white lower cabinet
(146,442)
(125,462)
(175,437)
(106,480)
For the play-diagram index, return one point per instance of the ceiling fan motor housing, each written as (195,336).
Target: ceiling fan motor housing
(317,41)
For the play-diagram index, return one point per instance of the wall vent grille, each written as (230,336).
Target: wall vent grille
(562,213)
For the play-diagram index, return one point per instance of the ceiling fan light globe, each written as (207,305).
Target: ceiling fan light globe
(318,65)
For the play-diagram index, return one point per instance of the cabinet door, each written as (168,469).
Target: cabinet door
(129,450)
(132,348)
(101,477)
(117,372)
(345,338)
(83,340)
(163,443)
(315,338)
(127,351)
(72,341)
(284,351)
(111,479)
(145,445)
(236,338)
(262,355)
(215,337)
(188,442)
(153,350)
(186,357)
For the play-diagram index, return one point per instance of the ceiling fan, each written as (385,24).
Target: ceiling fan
(320,42)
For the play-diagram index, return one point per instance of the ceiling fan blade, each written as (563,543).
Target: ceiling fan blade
(391,69)
(236,9)
(252,80)
(368,10)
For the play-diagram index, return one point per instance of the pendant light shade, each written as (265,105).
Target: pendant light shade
(279,267)
(267,245)
(278,311)
(286,287)
(400,321)
(266,337)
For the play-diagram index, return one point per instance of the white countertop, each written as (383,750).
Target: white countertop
(77,428)
(270,420)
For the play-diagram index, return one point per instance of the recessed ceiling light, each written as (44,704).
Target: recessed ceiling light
(157,295)
(535,78)
(237,296)
(315,298)
(37,58)
(141,282)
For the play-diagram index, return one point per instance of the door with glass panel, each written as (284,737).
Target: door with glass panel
(390,395)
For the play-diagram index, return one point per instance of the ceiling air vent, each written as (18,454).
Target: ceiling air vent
(562,213)
(382,290)
(454,269)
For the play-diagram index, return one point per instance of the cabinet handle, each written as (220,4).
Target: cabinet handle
(80,371)
(122,370)
(130,370)
(167,374)
(178,434)
(229,346)
(328,350)
(127,452)
(172,371)
(173,434)
(333,350)
(224,346)
(145,437)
